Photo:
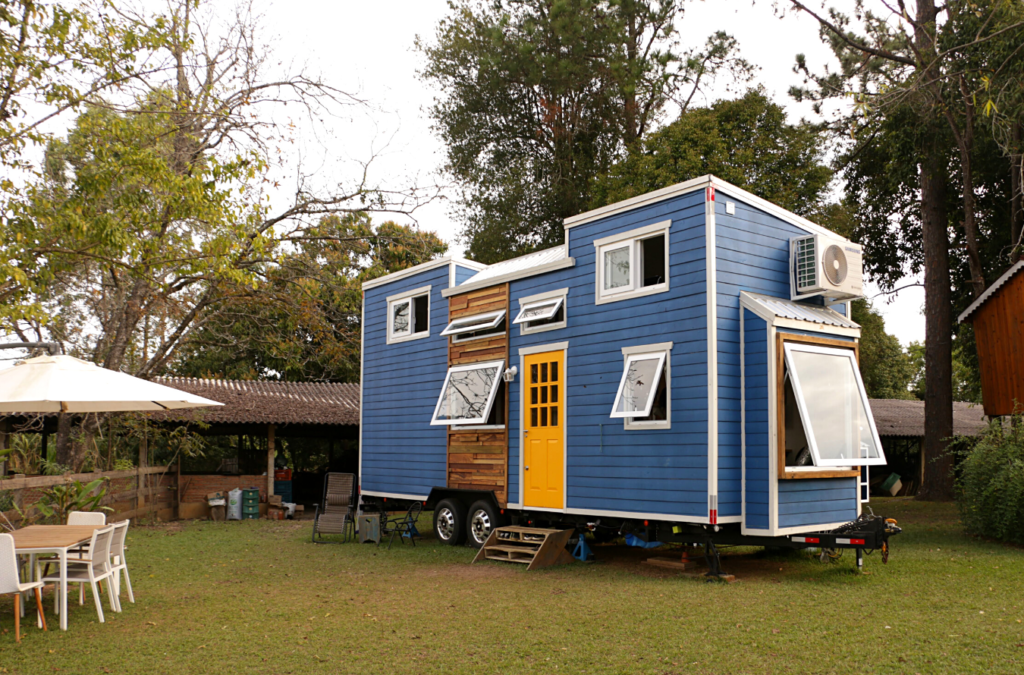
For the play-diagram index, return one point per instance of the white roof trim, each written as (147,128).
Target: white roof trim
(511,276)
(692,186)
(422,267)
(990,290)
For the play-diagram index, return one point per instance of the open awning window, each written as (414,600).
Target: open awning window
(468,393)
(833,406)
(474,324)
(640,378)
(541,310)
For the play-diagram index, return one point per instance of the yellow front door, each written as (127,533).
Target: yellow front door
(544,430)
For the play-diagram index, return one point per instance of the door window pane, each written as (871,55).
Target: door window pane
(554,415)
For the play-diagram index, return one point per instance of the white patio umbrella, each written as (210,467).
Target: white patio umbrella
(48,384)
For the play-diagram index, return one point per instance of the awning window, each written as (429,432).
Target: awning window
(468,393)
(640,378)
(474,324)
(833,406)
(541,310)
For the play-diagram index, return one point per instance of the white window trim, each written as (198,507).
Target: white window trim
(498,381)
(662,357)
(631,239)
(630,423)
(526,329)
(393,300)
(477,322)
(798,393)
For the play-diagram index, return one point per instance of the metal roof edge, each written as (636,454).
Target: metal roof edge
(511,276)
(422,267)
(749,300)
(690,186)
(1016,267)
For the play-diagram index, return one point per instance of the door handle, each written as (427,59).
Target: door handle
(526,468)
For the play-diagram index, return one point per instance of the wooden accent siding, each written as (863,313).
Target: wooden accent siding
(478,458)
(999,334)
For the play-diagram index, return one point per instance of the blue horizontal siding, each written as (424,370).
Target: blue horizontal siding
(817,501)
(757,457)
(607,467)
(752,254)
(401,452)
(462,274)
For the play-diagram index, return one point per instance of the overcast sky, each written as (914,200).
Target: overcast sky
(368,48)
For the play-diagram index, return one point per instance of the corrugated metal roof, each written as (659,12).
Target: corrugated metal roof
(516,265)
(896,417)
(268,402)
(795,310)
(990,290)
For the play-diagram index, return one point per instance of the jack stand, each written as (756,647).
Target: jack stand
(860,560)
(715,563)
(582,552)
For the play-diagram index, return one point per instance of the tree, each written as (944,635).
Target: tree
(540,96)
(887,370)
(900,65)
(155,212)
(746,141)
(53,58)
(304,322)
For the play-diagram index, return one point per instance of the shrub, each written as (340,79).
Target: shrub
(991,484)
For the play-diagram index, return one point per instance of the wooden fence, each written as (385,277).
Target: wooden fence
(137,493)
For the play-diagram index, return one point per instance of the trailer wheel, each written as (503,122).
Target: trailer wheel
(450,522)
(482,519)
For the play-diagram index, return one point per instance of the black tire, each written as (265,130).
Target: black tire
(482,518)
(450,522)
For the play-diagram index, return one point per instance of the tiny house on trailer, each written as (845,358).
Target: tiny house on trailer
(683,367)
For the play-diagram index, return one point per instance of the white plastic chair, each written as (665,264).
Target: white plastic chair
(85,518)
(10,583)
(120,565)
(90,571)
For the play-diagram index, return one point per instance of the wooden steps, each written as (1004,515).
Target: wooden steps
(533,546)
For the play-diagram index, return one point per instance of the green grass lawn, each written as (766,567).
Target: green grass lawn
(257,597)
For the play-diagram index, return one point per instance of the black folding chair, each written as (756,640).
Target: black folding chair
(404,526)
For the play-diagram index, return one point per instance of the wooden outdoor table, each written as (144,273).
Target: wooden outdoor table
(36,539)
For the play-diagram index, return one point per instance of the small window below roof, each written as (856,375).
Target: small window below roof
(633,264)
(542,312)
(409,315)
(476,327)
(468,393)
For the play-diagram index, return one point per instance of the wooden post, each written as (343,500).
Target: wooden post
(4,427)
(270,461)
(143,463)
(177,491)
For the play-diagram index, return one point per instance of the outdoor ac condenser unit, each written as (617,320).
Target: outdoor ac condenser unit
(826,266)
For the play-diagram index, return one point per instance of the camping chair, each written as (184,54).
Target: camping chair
(403,527)
(338,513)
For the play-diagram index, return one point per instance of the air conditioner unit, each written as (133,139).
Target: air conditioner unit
(826,266)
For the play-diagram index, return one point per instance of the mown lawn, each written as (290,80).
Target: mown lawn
(257,597)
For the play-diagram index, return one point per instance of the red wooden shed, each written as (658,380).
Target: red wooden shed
(998,319)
